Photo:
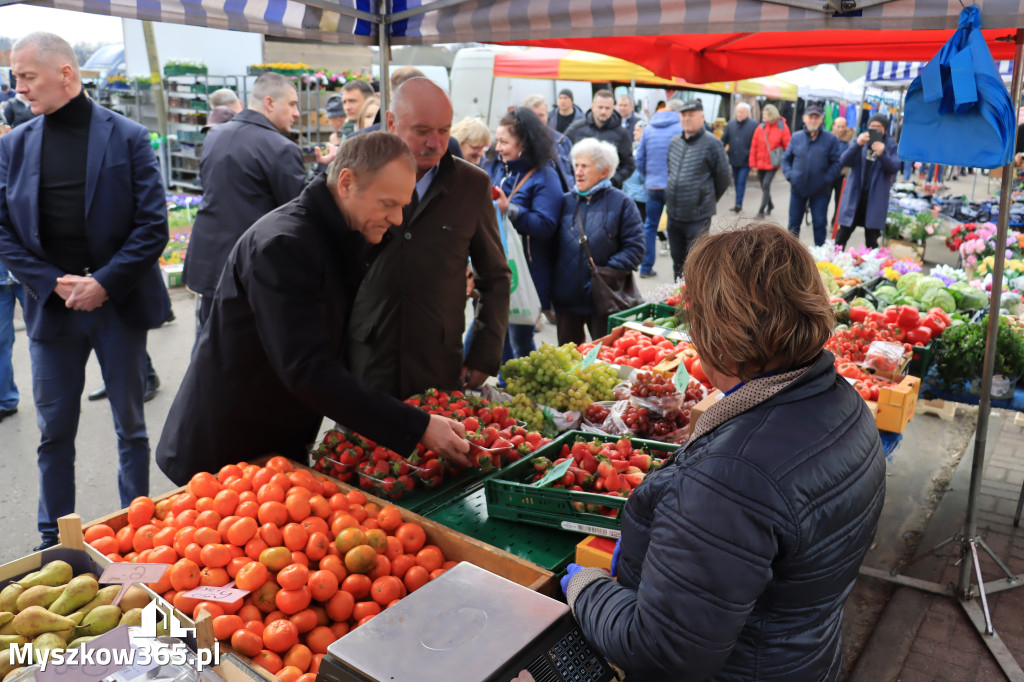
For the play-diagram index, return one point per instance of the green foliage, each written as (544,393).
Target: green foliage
(960,354)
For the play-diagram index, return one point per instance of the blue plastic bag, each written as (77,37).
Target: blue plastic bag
(958,111)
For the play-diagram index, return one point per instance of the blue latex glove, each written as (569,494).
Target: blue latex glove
(570,571)
(615,557)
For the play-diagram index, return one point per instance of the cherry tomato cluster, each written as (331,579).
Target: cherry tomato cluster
(633,348)
(350,457)
(850,345)
(905,323)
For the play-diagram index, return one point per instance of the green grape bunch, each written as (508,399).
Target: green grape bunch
(551,376)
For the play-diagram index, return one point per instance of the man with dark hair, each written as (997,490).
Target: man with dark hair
(248,168)
(602,122)
(353,96)
(627,112)
(409,317)
(83,220)
(270,363)
(565,113)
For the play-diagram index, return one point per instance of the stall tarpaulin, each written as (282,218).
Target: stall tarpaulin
(897,74)
(700,40)
(576,65)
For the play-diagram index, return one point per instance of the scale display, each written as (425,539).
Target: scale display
(466,625)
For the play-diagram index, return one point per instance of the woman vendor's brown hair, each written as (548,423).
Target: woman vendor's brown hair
(755,301)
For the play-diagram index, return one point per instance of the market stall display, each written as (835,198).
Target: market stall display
(300,546)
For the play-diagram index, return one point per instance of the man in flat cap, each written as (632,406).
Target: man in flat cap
(698,175)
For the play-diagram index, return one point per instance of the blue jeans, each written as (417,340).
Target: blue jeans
(8,390)
(819,214)
(908,169)
(518,342)
(739,181)
(655,206)
(58,376)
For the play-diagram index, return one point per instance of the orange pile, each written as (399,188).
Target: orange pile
(317,562)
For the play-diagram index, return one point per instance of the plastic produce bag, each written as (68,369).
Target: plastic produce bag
(524,303)
(958,111)
(883,356)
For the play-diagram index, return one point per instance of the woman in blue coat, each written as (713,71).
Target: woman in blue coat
(611,221)
(866,196)
(530,195)
(738,552)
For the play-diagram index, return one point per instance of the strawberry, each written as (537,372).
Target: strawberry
(612,481)
(490,434)
(633,479)
(578,450)
(534,439)
(604,469)
(620,464)
(624,447)
(485,415)
(500,413)
(472,424)
(589,463)
(641,462)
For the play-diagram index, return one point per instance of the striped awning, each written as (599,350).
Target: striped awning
(518,21)
(896,73)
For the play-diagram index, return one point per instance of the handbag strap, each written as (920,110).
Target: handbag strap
(767,144)
(521,182)
(583,234)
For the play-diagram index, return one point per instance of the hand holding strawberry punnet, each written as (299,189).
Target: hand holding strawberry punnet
(447,437)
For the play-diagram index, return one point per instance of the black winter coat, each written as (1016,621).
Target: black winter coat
(812,166)
(612,132)
(737,555)
(269,364)
(737,137)
(698,175)
(248,168)
(615,236)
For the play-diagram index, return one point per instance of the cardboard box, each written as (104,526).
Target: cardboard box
(896,404)
(595,551)
(700,408)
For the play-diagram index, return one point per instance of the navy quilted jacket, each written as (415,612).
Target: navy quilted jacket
(738,554)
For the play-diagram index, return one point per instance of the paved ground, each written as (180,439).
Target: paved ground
(918,475)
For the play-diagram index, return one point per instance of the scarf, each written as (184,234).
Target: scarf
(604,184)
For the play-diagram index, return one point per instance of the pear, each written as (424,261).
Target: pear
(8,629)
(132,617)
(5,617)
(135,597)
(7,640)
(99,620)
(52,574)
(78,593)
(39,595)
(7,663)
(104,597)
(77,617)
(9,597)
(35,620)
(45,643)
(81,640)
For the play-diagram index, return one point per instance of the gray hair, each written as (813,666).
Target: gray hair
(534,101)
(269,84)
(602,154)
(365,155)
(743,105)
(223,97)
(50,47)
(676,105)
(471,131)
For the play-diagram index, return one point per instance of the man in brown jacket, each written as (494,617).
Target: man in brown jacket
(409,316)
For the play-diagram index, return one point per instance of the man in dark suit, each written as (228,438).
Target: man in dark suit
(82,222)
(269,364)
(248,168)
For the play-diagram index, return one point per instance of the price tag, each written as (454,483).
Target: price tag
(554,473)
(127,574)
(220,594)
(592,530)
(588,359)
(682,378)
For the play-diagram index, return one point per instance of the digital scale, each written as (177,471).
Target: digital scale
(468,625)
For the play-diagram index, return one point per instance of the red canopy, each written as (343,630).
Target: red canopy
(705,58)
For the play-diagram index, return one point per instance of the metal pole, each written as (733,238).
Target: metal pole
(384,44)
(985,403)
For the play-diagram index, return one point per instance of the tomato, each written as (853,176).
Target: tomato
(696,371)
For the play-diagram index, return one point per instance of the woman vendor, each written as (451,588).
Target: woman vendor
(737,554)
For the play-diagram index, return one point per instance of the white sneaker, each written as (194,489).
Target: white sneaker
(664,251)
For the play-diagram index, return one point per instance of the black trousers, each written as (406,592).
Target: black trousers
(570,327)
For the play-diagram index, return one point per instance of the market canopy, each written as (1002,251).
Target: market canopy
(576,65)
(699,40)
(898,74)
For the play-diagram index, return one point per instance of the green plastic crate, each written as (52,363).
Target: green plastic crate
(639,314)
(921,361)
(511,496)
(548,548)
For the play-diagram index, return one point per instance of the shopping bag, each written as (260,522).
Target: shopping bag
(958,111)
(524,303)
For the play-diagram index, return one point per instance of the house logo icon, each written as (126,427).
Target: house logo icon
(159,612)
